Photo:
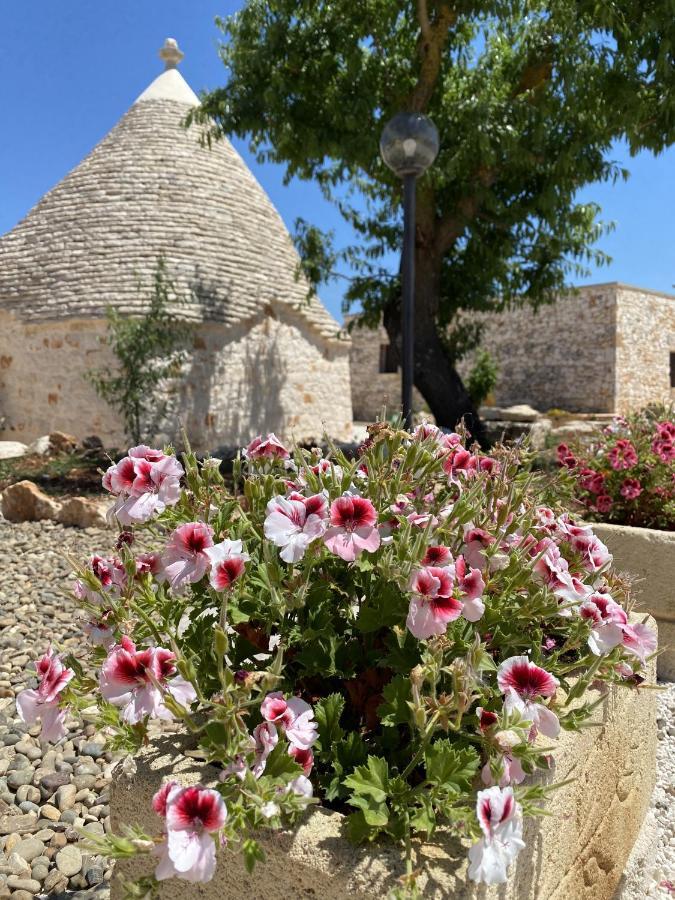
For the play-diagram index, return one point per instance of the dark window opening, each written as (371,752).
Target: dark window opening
(387,359)
(672,370)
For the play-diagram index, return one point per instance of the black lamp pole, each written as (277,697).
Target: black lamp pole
(409,145)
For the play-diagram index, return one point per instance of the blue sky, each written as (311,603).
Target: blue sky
(70,70)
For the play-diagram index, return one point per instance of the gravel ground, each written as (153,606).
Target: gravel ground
(46,793)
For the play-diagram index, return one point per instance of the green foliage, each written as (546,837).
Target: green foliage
(150,351)
(482,377)
(528,96)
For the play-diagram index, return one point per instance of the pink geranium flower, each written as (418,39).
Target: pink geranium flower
(228,562)
(471,586)
(552,569)
(294,716)
(353,527)
(639,640)
(269,447)
(608,620)
(138,680)
(499,817)
(523,683)
(623,455)
(592,481)
(630,488)
(293,522)
(303,757)
(265,739)
(603,503)
(184,560)
(437,556)
(432,605)
(43,703)
(145,482)
(192,815)
(664,448)
(111,576)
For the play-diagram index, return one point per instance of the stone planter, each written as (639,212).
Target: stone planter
(577,853)
(650,555)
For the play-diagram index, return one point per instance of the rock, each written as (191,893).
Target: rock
(20,777)
(65,796)
(572,430)
(12,449)
(92,749)
(55,882)
(520,413)
(94,876)
(25,502)
(28,792)
(17,865)
(22,895)
(91,442)
(69,860)
(81,512)
(23,884)
(62,442)
(53,781)
(539,432)
(11,842)
(17,824)
(50,812)
(40,446)
(39,872)
(29,848)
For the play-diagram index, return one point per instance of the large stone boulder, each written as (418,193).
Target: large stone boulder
(25,502)
(578,852)
(12,449)
(82,512)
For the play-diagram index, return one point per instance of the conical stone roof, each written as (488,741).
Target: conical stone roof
(149,189)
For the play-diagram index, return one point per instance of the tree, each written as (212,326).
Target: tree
(150,350)
(528,98)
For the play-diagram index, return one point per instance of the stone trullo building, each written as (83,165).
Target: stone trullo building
(263,357)
(604,348)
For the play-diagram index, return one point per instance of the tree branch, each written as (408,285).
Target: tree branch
(432,42)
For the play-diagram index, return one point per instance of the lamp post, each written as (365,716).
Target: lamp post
(409,145)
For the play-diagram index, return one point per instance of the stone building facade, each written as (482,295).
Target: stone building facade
(606,348)
(263,357)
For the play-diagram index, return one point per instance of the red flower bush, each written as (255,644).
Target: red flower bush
(627,473)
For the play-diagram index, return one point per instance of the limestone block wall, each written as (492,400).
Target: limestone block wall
(373,390)
(645,339)
(273,373)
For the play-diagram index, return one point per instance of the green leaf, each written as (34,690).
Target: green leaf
(451,768)
(374,812)
(279,763)
(371,780)
(253,853)
(395,710)
(327,714)
(357,830)
(423,817)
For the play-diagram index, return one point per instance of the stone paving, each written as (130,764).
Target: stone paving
(47,794)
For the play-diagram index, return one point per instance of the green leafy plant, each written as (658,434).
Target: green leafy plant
(368,633)
(150,350)
(482,377)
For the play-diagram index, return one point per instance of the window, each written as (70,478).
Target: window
(387,359)
(672,370)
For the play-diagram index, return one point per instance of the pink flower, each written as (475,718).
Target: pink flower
(294,716)
(631,489)
(591,481)
(43,703)
(622,455)
(228,562)
(499,817)
(639,640)
(608,620)
(523,683)
(138,680)
(269,447)
(353,527)
(185,560)
(603,503)
(265,738)
(192,814)
(432,605)
(459,461)
(303,757)
(145,483)
(111,576)
(437,556)
(293,523)
(664,448)
(471,586)
(552,569)
(511,771)
(565,457)
(476,542)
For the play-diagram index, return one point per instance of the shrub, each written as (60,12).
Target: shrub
(386,636)
(482,377)
(626,473)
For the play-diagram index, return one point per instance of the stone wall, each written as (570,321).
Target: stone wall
(374,391)
(644,341)
(272,373)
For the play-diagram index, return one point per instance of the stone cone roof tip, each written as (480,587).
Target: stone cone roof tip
(149,189)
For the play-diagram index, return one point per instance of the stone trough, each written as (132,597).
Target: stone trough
(576,853)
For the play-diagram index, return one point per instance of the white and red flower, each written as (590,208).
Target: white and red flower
(353,527)
(43,703)
(145,482)
(192,815)
(184,560)
(471,586)
(228,561)
(524,684)
(608,621)
(623,455)
(293,716)
(139,679)
(268,447)
(499,817)
(293,522)
(265,739)
(432,605)
(639,640)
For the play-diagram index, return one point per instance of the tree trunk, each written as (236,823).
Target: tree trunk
(435,377)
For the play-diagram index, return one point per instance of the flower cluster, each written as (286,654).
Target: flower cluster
(378,634)
(626,474)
